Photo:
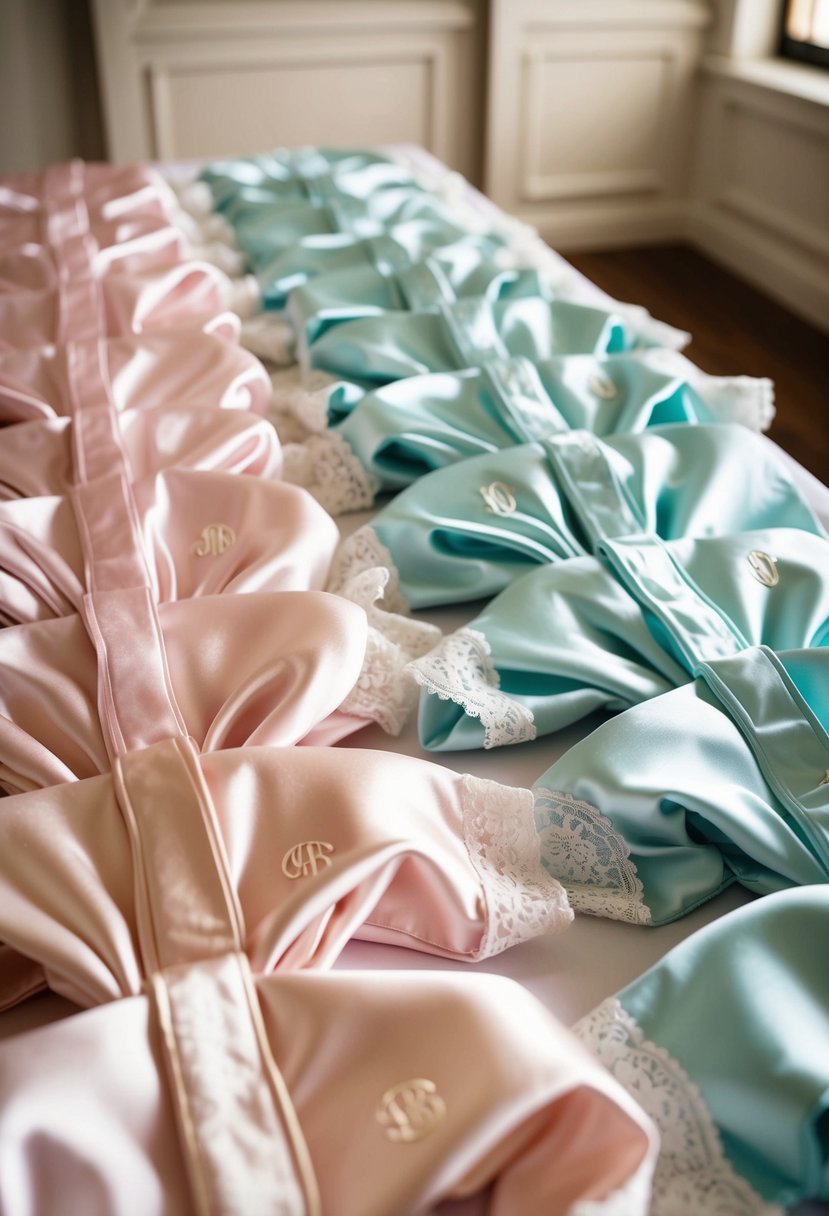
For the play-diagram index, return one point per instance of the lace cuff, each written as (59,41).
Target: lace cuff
(303,397)
(583,849)
(364,550)
(385,692)
(460,669)
(748,400)
(522,899)
(692,1172)
(269,337)
(327,467)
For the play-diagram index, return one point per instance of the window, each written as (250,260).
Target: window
(806,31)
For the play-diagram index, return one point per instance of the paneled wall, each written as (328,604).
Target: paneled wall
(589,119)
(196,78)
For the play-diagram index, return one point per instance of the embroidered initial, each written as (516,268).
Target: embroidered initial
(306,858)
(215,538)
(499,498)
(411,1110)
(763,567)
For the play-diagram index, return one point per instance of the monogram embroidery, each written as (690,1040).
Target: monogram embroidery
(410,1111)
(602,386)
(499,498)
(215,538)
(763,567)
(306,858)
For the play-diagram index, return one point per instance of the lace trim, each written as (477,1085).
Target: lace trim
(269,337)
(364,550)
(522,899)
(632,1198)
(243,296)
(302,397)
(385,691)
(461,670)
(648,329)
(692,1172)
(328,468)
(582,848)
(744,399)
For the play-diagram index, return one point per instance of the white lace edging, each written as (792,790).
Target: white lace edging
(302,396)
(748,400)
(583,849)
(269,337)
(692,1172)
(328,468)
(244,297)
(385,691)
(364,550)
(460,669)
(522,899)
(632,1198)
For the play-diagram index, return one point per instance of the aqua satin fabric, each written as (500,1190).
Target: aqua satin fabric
(467,333)
(726,1041)
(606,633)
(467,531)
(404,243)
(411,427)
(723,780)
(447,275)
(292,174)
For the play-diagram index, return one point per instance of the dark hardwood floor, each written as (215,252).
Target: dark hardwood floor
(736,331)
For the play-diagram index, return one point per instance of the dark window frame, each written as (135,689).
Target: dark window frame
(793,48)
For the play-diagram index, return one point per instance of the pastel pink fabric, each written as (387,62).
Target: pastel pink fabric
(200,533)
(37,458)
(317,846)
(290,1102)
(178,367)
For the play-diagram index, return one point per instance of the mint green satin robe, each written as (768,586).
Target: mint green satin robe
(465,532)
(609,632)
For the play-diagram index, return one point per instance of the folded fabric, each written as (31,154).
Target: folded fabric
(467,531)
(449,274)
(312,845)
(609,632)
(199,533)
(84,308)
(410,427)
(724,1043)
(472,332)
(731,785)
(399,246)
(37,458)
(217,1092)
(63,696)
(299,174)
(169,367)
(44,208)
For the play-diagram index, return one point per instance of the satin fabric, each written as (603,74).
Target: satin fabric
(368,291)
(61,698)
(319,844)
(298,174)
(465,532)
(179,368)
(202,533)
(37,458)
(305,1078)
(399,246)
(608,632)
(730,788)
(411,427)
(728,1035)
(83,308)
(373,351)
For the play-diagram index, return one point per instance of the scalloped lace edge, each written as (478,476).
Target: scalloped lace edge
(461,670)
(581,847)
(692,1172)
(522,899)
(303,396)
(364,550)
(328,468)
(269,337)
(385,691)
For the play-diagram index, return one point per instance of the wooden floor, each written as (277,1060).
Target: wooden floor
(736,331)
